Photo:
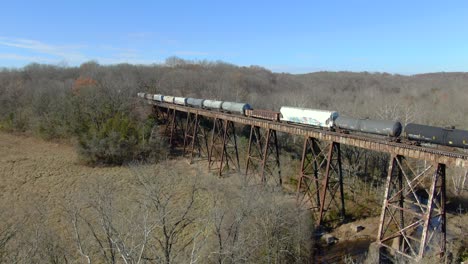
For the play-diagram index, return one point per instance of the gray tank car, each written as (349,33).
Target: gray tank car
(378,127)
(180,100)
(212,104)
(195,102)
(235,107)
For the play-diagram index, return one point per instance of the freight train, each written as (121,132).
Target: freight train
(328,120)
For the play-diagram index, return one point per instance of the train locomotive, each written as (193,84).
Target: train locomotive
(330,120)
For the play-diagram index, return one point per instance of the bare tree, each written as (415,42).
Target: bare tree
(106,231)
(459,178)
(229,217)
(172,213)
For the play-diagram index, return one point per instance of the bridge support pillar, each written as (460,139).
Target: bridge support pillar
(412,222)
(263,155)
(160,114)
(195,138)
(174,128)
(321,179)
(223,147)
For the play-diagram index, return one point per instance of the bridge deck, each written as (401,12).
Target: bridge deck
(452,158)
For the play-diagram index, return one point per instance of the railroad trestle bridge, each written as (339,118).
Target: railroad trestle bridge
(409,225)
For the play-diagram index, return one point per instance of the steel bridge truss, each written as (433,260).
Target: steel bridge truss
(195,138)
(412,222)
(174,128)
(263,156)
(320,182)
(161,114)
(223,147)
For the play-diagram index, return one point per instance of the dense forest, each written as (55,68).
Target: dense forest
(95,108)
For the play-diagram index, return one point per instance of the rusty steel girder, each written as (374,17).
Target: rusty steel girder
(263,156)
(195,139)
(160,114)
(223,147)
(174,128)
(413,221)
(321,179)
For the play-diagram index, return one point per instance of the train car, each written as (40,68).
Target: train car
(437,135)
(158,97)
(180,100)
(320,118)
(424,133)
(235,107)
(195,102)
(263,114)
(141,95)
(457,138)
(168,99)
(148,96)
(378,127)
(212,104)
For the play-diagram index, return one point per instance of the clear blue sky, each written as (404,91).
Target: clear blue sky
(292,36)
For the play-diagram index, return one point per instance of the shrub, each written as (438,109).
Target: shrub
(119,140)
(18,122)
